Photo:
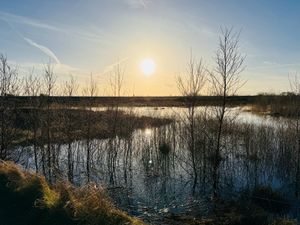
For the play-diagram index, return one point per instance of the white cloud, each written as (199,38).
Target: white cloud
(137,3)
(62,70)
(8,17)
(269,63)
(273,65)
(202,30)
(98,36)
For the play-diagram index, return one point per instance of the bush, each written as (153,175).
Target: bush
(27,199)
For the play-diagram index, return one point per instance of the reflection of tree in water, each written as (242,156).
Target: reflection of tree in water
(153,168)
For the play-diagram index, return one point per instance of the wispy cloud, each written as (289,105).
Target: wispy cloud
(138,3)
(273,65)
(98,36)
(111,67)
(62,69)
(269,63)
(202,30)
(26,21)
(42,48)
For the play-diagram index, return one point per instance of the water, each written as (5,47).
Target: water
(147,182)
(241,114)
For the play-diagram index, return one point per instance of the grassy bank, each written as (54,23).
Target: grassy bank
(26,199)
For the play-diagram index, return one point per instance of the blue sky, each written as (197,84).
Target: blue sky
(89,36)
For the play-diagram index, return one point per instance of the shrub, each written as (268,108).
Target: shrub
(27,199)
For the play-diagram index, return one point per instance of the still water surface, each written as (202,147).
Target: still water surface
(148,183)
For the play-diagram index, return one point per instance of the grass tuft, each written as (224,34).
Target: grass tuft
(26,198)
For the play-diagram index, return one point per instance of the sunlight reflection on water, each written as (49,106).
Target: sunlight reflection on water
(148,132)
(145,180)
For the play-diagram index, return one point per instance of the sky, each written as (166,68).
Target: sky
(83,37)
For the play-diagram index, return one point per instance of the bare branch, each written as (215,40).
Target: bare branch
(9,81)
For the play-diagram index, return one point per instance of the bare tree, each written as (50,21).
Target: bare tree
(90,91)
(49,80)
(9,85)
(116,84)
(225,80)
(116,80)
(69,88)
(32,88)
(32,85)
(9,81)
(190,86)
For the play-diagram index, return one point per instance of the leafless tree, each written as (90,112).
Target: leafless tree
(90,91)
(49,80)
(32,88)
(9,81)
(69,88)
(190,86)
(225,80)
(116,80)
(32,84)
(116,84)
(9,85)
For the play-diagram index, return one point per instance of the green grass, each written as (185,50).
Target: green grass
(27,199)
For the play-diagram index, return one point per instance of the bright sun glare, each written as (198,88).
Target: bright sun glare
(148,66)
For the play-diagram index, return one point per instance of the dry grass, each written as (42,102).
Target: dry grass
(26,198)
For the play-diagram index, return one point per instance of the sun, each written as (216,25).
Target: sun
(148,66)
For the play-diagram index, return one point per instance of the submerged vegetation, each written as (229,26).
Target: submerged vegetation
(26,198)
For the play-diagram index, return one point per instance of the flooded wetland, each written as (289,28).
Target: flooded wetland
(149,112)
(149,171)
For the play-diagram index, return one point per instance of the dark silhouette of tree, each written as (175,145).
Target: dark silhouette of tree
(9,85)
(190,86)
(225,81)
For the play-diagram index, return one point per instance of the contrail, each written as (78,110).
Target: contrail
(44,49)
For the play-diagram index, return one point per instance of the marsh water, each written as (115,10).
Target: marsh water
(149,173)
